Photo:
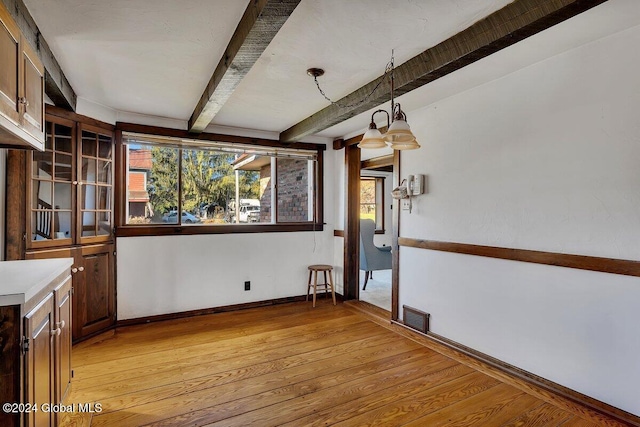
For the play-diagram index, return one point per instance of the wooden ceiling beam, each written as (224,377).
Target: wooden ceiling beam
(503,28)
(260,23)
(56,85)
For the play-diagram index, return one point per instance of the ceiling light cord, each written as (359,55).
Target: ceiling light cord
(387,71)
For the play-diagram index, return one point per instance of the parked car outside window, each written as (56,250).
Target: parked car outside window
(187,218)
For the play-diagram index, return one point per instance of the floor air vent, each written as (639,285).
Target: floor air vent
(416,319)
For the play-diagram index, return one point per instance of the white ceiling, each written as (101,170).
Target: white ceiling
(154,57)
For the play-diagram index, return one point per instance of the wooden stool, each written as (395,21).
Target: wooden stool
(313,270)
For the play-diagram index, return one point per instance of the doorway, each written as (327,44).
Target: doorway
(376,176)
(387,166)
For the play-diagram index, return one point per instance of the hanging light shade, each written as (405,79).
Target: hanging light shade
(372,139)
(410,145)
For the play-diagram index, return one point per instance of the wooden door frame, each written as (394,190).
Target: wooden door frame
(351,263)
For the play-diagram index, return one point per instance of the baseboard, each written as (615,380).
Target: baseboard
(213,310)
(535,380)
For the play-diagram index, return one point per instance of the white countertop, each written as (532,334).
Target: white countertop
(22,280)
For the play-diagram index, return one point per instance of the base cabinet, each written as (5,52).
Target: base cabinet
(35,332)
(93,286)
(39,325)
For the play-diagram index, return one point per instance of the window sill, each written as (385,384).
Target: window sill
(178,230)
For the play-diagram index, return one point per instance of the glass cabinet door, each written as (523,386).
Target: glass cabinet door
(51,192)
(95,184)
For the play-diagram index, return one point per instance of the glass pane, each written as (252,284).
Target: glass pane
(104,172)
(62,221)
(152,185)
(41,225)
(104,199)
(104,223)
(104,146)
(42,195)
(368,199)
(63,167)
(42,161)
(293,179)
(62,195)
(89,144)
(88,197)
(48,144)
(63,138)
(88,170)
(88,224)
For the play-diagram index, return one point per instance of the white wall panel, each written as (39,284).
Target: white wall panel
(545,158)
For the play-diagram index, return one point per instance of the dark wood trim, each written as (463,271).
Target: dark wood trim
(204,136)
(338,233)
(259,24)
(352,223)
(395,247)
(377,162)
(10,363)
(16,200)
(505,27)
(51,110)
(119,181)
(176,230)
(338,144)
(581,262)
(213,310)
(537,381)
(318,194)
(56,85)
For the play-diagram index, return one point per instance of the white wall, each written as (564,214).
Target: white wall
(168,274)
(546,158)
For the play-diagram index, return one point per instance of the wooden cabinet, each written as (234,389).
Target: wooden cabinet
(35,326)
(21,88)
(62,315)
(93,286)
(70,193)
(39,361)
(69,213)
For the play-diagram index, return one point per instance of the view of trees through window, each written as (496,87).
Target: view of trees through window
(216,187)
(372,200)
(368,198)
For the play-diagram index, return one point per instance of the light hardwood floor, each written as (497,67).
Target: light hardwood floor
(293,365)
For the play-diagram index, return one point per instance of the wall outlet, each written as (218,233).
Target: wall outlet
(405,204)
(247,285)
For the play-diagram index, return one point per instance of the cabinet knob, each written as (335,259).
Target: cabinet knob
(75,182)
(56,332)
(74,270)
(61,325)
(23,101)
(80,268)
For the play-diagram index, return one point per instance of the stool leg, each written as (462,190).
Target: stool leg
(309,285)
(333,292)
(315,286)
(326,285)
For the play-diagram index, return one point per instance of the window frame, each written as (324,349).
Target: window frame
(125,230)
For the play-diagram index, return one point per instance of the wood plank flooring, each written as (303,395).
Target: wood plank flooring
(292,365)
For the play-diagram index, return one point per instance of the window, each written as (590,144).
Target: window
(372,201)
(210,184)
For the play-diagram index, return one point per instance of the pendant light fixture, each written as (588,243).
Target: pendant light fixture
(398,135)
